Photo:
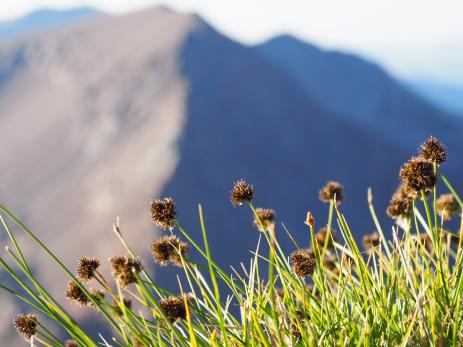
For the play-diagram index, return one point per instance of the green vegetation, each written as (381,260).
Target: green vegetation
(402,291)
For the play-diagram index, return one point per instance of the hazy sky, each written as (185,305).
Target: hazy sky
(421,38)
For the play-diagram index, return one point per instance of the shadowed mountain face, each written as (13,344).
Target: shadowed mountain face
(93,127)
(247,119)
(358,90)
(44,19)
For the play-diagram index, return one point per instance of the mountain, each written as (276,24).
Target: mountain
(95,127)
(44,19)
(358,90)
(445,96)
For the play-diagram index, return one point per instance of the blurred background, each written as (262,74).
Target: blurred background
(106,104)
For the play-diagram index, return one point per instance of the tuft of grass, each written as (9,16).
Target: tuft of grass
(402,291)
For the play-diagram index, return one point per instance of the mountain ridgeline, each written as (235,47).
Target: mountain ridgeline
(44,19)
(104,115)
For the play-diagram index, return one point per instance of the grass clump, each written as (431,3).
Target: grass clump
(403,290)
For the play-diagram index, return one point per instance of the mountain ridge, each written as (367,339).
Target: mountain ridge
(377,97)
(45,19)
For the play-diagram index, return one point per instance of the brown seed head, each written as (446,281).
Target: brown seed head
(447,206)
(76,294)
(26,325)
(174,308)
(124,269)
(433,151)
(266,217)
(169,249)
(302,262)
(86,268)
(71,343)
(322,237)
(371,240)
(401,203)
(163,213)
(309,220)
(331,190)
(418,174)
(241,193)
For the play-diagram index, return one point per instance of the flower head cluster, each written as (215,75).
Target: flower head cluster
(447,206)
(124,269)
(169,249)
(75,293)
(401,203)
(303,262)
(174,308)
(371,241)
(266,216)
(86,268)
(332,190)
(26,325)
(163,213)
(418,175)
(434,151)
(242,192)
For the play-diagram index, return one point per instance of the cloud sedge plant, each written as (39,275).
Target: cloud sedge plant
(405,290)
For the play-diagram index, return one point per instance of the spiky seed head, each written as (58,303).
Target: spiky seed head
(174,308)
(302,262)
(71,343)
(401,203)
(124,269)
(266,217)
(26,325)
(76,294)
(331,190)
(309,220)
(434,151)
(418,174)
(163,213)
(323,238)
(241,193)
(86,268)
(372,240)
(169,249)
(447,206)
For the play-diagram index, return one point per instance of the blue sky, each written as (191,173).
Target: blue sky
(412,38)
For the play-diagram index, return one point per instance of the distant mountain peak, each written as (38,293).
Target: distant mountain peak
(354,88)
